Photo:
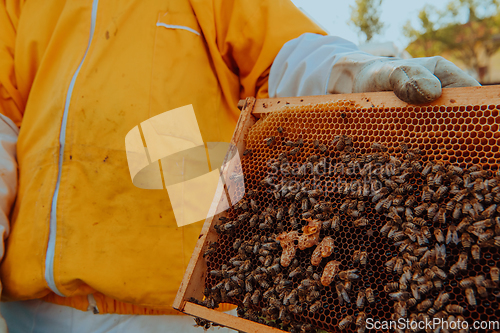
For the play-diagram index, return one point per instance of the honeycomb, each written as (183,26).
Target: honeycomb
(429,141)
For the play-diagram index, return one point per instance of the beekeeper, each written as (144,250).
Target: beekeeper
(76,76)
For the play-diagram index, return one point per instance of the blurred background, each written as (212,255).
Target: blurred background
(466,32)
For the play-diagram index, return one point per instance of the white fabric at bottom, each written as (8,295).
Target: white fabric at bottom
(36,316)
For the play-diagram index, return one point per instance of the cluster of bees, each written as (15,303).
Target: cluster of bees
(287,260)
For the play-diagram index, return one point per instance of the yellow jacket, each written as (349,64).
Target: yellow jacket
(84,73)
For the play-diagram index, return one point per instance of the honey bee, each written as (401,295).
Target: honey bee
(477,207)
(400,296)
(425,287)
(269,141)
(361,322)
(342,293)
(312,296)
(427,169)
(467,208)
(234,292)
(432,211)
(488,212)
(427,193)
(481,290)
(344,323)
(464,224)
(370,296)
(415,291)
(293,151)
(279,214)
(307,215)
(495,273)
(322,148)
(360,302)
(422,237)
(476,252)
(420,251)
(441,216)
(419,221)
(419,210)
(438,233)
(440,193)
(425,259)
(356,256)
(394,230)
(439,272)
(339,142)
(452,235)
(457,211)
(361,222)
(390,264)
(378,146)
(440,255)
(460,195)
(480,174)
(467,282)
(363,258)
(441,300)
(277,195)
(393,214)
(295,308)
(349,275)
(438,178)
(471,298)
(454,308)
(409,258)
(496,241)
(384,231)
(403,282)
(403,147)
(392,286)
(315,193)
(424,305)
(305,205)
(315,307)
(461,264)
(295,223)
(411,302)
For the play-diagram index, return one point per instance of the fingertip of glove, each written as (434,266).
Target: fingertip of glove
(415,85)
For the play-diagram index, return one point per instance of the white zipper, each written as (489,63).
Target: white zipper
(49,257)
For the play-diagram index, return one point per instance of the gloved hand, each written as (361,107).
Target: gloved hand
(316,65)
(414,81)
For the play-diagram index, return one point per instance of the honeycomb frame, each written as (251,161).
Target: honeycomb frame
(477,100)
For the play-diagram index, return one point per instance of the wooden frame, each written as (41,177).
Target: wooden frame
(252,109)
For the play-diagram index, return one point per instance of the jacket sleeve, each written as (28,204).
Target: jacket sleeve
(311,65)
(251,33)
(10,114)
(11,103)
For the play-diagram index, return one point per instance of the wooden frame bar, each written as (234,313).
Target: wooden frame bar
(251,110)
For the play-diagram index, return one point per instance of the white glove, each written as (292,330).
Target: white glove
(316,65)
(415,81)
